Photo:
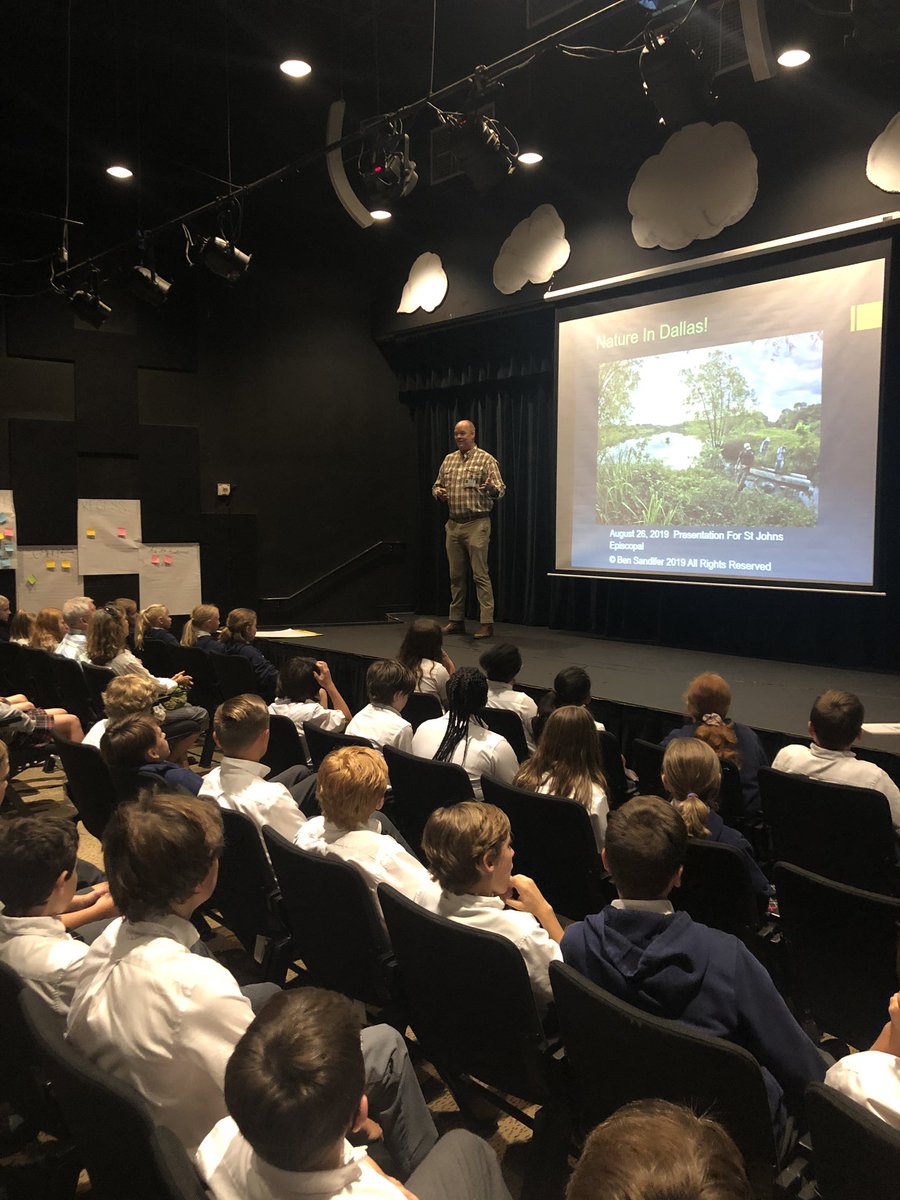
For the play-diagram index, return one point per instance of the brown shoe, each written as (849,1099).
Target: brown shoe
(454,627)
(485,631)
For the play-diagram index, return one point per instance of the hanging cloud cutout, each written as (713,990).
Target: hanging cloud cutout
(426,286)
(702,180)
(883,162)
(535,249)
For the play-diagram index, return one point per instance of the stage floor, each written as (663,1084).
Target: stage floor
(767,695)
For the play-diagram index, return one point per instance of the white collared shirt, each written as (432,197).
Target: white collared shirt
(45,954)
(382,725)
(532,941)
(233,1171)
(502,695)
(482,752)
(433,681)
(377,855)
(598,812)
(663,907)
(73,645)
(329,719)
(872,1079)
(241,786)
(161,1019)
(839,766)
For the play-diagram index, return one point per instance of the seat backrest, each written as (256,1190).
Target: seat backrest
(321,742)
(855,1153)
(844,833)
(246,892)
(554,844)
(337,927)
(646,758)
(14,677)
(285,747)
(72,689)
(842,950)
(613,769)
(421,706)
(155,658)
(617,1054)
(509,725)
(21,1074)
(43,681)
(731,795)
(420,785)
(469,998)
(716,888)
(109,1122)
(97,680)
(89,783)
(234,675)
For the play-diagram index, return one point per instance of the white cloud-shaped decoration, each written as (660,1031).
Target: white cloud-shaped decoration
(702,180)
(426,286)
(533,251)
(883,162)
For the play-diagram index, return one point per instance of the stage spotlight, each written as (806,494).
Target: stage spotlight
(119,171)
(223,258)
(148,286)
(484,148)
(385,167)
(88,306)
(296,68)
(676,81)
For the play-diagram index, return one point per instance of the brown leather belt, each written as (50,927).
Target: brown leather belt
(464,518)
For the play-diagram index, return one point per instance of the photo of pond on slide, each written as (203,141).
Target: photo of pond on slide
(724,435)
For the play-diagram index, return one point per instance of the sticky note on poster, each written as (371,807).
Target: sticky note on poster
(170,575)
(167,560)
(31,580)
(91,533)
(66,565)
(51,564)
(120,532)
(9,532)
(154,560)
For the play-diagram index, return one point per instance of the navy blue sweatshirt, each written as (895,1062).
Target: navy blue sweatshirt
(720,832)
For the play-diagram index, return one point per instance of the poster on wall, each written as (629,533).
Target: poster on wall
(170,575)
(109,536)
(8,531)
(47,576)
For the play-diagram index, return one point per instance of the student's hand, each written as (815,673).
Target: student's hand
(323,674)
(85,899)
(102,909)
(447,663)
(183,677)
(525,896)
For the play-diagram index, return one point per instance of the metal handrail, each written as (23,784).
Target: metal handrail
(388,547)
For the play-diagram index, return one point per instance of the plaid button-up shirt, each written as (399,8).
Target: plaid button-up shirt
(473,482)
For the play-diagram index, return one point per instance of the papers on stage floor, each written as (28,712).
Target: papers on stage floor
(286,633)
(885,727)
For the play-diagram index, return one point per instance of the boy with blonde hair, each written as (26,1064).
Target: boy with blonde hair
(124,695)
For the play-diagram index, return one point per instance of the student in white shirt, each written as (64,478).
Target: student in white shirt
(304,692)
(77,614)
(241,730)
(568,763)
(872,1077)
(422,650)
(469,851)
(39,905)
(461,737)
(350,789)
(835,724)
(502,664)
(165,1020)
(389,685)
(129,694)
(296,1091)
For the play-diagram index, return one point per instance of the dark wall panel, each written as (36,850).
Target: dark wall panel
(228,560)
(44,481)
(106,395)
(168,483)
(108,477)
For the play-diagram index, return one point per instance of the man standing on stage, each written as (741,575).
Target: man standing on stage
(469,481)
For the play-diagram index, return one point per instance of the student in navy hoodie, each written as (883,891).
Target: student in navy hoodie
(661,961)
(237,638)
(137,743)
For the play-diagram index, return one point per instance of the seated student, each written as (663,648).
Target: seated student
(872,1077)
(652,1148)
(129,610)
(305,689)
(77,614)
(38,882)
(165,1020)
(241,730)
(461,737)
(202,627)
(502,664)
(835,723)
(568,763)
(692,776)
(469,852)
(127,694)
(21,627)
(571,686)
(389,685)
(350,788)
(153,624)
(296,1089)
(644,952)
(4,619)
(422,651)
(237,638)
(49,630)
(24,725)
(707,700)
(137,743)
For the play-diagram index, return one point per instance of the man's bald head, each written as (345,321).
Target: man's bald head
(464,435)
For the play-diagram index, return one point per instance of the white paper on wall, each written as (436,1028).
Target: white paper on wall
(47,576)
(109,536)
(9,540)
(170,575)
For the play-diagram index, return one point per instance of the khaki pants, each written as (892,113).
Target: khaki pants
(467,542)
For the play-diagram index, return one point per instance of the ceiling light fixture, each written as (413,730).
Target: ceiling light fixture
(88,306)
(119,171)
(296,68)
(380,214)
(148,286)
(793,57)
(387,171)
(530,158)
(675,80)
(484,148)
(223,258)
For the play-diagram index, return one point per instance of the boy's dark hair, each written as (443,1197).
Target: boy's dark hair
(297,680)
(239,722)
(646,841)
(157,849)
(385,678)
(295,1079)
(837,718)
(34,850)
(126,741)
(501,663)
(654,1150)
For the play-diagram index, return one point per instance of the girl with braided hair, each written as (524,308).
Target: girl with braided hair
(460,736)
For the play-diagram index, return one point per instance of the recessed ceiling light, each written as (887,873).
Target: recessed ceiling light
(530,158)
(793,58)
(296,68)
(118,171)
(380,214)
